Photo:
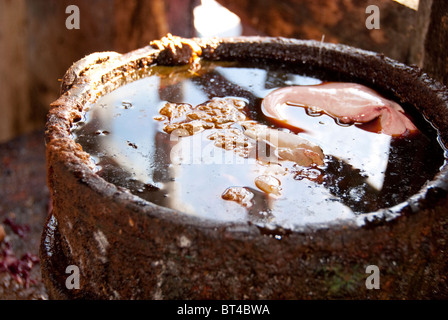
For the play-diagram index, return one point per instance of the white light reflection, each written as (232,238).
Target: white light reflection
(363,150)
(213,20)
(413,4)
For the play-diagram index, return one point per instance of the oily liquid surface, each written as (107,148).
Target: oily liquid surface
(363,171)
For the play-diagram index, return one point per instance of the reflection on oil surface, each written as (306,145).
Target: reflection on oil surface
(362,172)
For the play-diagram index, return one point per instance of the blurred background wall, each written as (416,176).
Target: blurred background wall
(36,48)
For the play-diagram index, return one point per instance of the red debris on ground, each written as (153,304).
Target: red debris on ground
(20,230)
(18,268)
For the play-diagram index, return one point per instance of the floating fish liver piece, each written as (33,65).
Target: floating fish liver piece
(347,102)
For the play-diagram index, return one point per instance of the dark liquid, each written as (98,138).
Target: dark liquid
(363,172)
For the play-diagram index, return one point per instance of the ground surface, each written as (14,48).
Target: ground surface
(24,200)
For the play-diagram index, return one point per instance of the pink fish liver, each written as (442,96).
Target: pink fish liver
(348,102)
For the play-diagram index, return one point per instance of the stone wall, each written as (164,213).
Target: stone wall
(410,36)
(336,21)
